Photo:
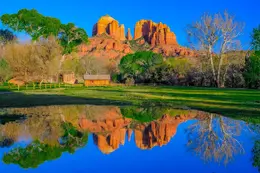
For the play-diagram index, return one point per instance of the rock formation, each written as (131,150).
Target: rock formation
(159,132)
(129,35)
(107,143)
(105,47)
(110,42)
(110,26)
(110,131)
(155,34)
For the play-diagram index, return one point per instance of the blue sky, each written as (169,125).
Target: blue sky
(176,14)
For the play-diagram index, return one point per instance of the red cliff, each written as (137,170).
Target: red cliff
(155,34)
(108,25)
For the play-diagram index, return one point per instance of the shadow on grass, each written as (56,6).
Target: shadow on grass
(16,99)
(235,106)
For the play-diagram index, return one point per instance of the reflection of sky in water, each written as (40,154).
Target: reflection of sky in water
(173,157)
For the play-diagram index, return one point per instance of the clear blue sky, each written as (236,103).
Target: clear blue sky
(176,14)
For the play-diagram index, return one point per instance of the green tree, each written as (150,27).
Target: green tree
(33,23)
(256,154)
(256,38)
(252,64)
(139,65)
(38,152)
(252,70)
(6,36)
(5,70)
(39,26)
(70,37)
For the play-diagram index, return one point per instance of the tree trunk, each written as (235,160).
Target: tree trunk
(219,71)
(212,66)
(41,84)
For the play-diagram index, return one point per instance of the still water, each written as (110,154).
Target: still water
(125,139)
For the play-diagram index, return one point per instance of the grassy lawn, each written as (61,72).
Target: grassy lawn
(229,102)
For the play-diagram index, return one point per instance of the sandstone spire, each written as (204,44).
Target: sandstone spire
(129,35)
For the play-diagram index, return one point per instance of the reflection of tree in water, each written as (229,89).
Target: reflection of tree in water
(214,138)
(38,152)
(256,155)
(149,114)
(256,149)
(6,142)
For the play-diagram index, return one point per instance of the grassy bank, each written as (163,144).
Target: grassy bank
(228,102)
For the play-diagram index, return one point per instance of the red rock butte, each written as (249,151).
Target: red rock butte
(154,34)
(110,41)
(108,25)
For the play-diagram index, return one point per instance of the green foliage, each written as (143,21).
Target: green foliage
(115,77)
(256,155)
(138,65)
(252,71)
(33,23)
(5,70)
(71,36)
(33,155)
(37,26)
(148,114)
(37,152)
(72,138)
(143,114)
(256,39)
(6,36)
(180,65)
(71,64)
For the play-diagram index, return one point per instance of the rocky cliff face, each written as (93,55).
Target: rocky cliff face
(108,25)
(155,34)
(106,47)
(109,40)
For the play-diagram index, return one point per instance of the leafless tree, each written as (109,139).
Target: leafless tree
(214,138)
(214,36)
(93,65)
(34,62)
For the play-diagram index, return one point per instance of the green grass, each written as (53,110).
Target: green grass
(228,102)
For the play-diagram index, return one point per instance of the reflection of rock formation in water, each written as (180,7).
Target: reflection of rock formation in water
(110,133)
(109,130)
(107,123)
(108,143)
(159,132)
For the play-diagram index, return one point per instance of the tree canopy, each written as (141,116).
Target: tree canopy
(256,39)
(6,36)
(137,65)
(38,152)
(39,26)
(252,65)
